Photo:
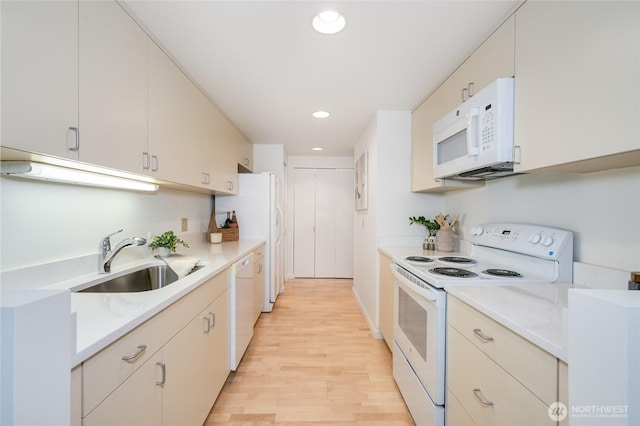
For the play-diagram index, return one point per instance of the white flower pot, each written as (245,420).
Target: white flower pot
(164,251)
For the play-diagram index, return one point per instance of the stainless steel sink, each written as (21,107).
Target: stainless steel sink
(149,278)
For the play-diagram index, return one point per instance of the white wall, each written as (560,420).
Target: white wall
(602,209)
(387,139)
(43,222)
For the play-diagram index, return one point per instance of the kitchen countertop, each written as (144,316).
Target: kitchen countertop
(537,312)
(102,318)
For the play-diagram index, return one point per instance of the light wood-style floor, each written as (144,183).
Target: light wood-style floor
(312,361)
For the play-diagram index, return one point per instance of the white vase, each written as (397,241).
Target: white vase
(164,251)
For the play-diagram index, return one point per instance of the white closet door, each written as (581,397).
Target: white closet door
(304,212)
(344,223)
(325,223)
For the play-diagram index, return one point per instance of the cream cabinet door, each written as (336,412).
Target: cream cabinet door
(216,369)
(386,298)
(138,401)
(577,91)
(197,362)
(113,87)
(184,389)
(225,160)
(40,76)
(258,285)
(167,120)
(493,59)
(487,393)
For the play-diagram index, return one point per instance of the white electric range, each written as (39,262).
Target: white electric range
(501,254)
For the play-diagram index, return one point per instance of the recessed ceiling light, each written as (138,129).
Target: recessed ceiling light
(321,114)
(329,22)
(317,148)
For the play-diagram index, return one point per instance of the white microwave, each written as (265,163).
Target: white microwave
(475,140)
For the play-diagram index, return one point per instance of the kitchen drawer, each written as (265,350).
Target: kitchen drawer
(455,414)
(514,353)
(472,375)
(182,312)
(105,371)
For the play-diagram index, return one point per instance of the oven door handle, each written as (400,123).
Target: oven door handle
(426,293)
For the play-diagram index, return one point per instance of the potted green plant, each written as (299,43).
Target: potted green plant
(166,243)
(431,225)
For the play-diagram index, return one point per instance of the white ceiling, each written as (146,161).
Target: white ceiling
(267,70)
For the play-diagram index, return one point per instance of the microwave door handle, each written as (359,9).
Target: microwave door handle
(472,133)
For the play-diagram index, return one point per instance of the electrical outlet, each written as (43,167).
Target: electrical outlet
(184,224)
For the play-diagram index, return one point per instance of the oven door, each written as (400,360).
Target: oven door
(419,330)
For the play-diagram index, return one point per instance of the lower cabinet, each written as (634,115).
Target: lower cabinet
(137,401)
(494,376)
(386,298)
(193,375)
(169,370)
(258,283)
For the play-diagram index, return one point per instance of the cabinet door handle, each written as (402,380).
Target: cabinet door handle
(163,366)
(470,89)
(260,268)
(478,394)
(213,319)
(478,332)
(155,163)
(246,161)
(141,348)
(76,147)
(464,99)
(146,164)
(208,324)
(230,186)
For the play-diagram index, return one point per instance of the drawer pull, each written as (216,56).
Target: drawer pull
(478,332)
(141,348)
(163,366)
(478,394)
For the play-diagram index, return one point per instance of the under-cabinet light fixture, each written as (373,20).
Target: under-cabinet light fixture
(317,148)
(41,171)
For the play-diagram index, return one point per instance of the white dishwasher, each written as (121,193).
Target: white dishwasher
(241,309)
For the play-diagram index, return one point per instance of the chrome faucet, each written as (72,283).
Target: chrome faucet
(106,255)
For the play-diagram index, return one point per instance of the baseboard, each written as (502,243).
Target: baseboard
(375,331)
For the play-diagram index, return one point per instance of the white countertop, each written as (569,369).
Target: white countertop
(537,312)
(102,318)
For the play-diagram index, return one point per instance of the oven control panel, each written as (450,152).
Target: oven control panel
(534,240)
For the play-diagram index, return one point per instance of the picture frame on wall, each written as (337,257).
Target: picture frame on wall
(361,187)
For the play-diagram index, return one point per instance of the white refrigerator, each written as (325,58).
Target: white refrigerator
(259,215)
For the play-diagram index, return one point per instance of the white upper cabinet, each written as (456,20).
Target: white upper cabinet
(493,59)
(40,76)
(577,87)
(113,87)
(168,118)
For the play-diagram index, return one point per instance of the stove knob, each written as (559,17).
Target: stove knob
(547,241)
(535,238)
(477,231)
